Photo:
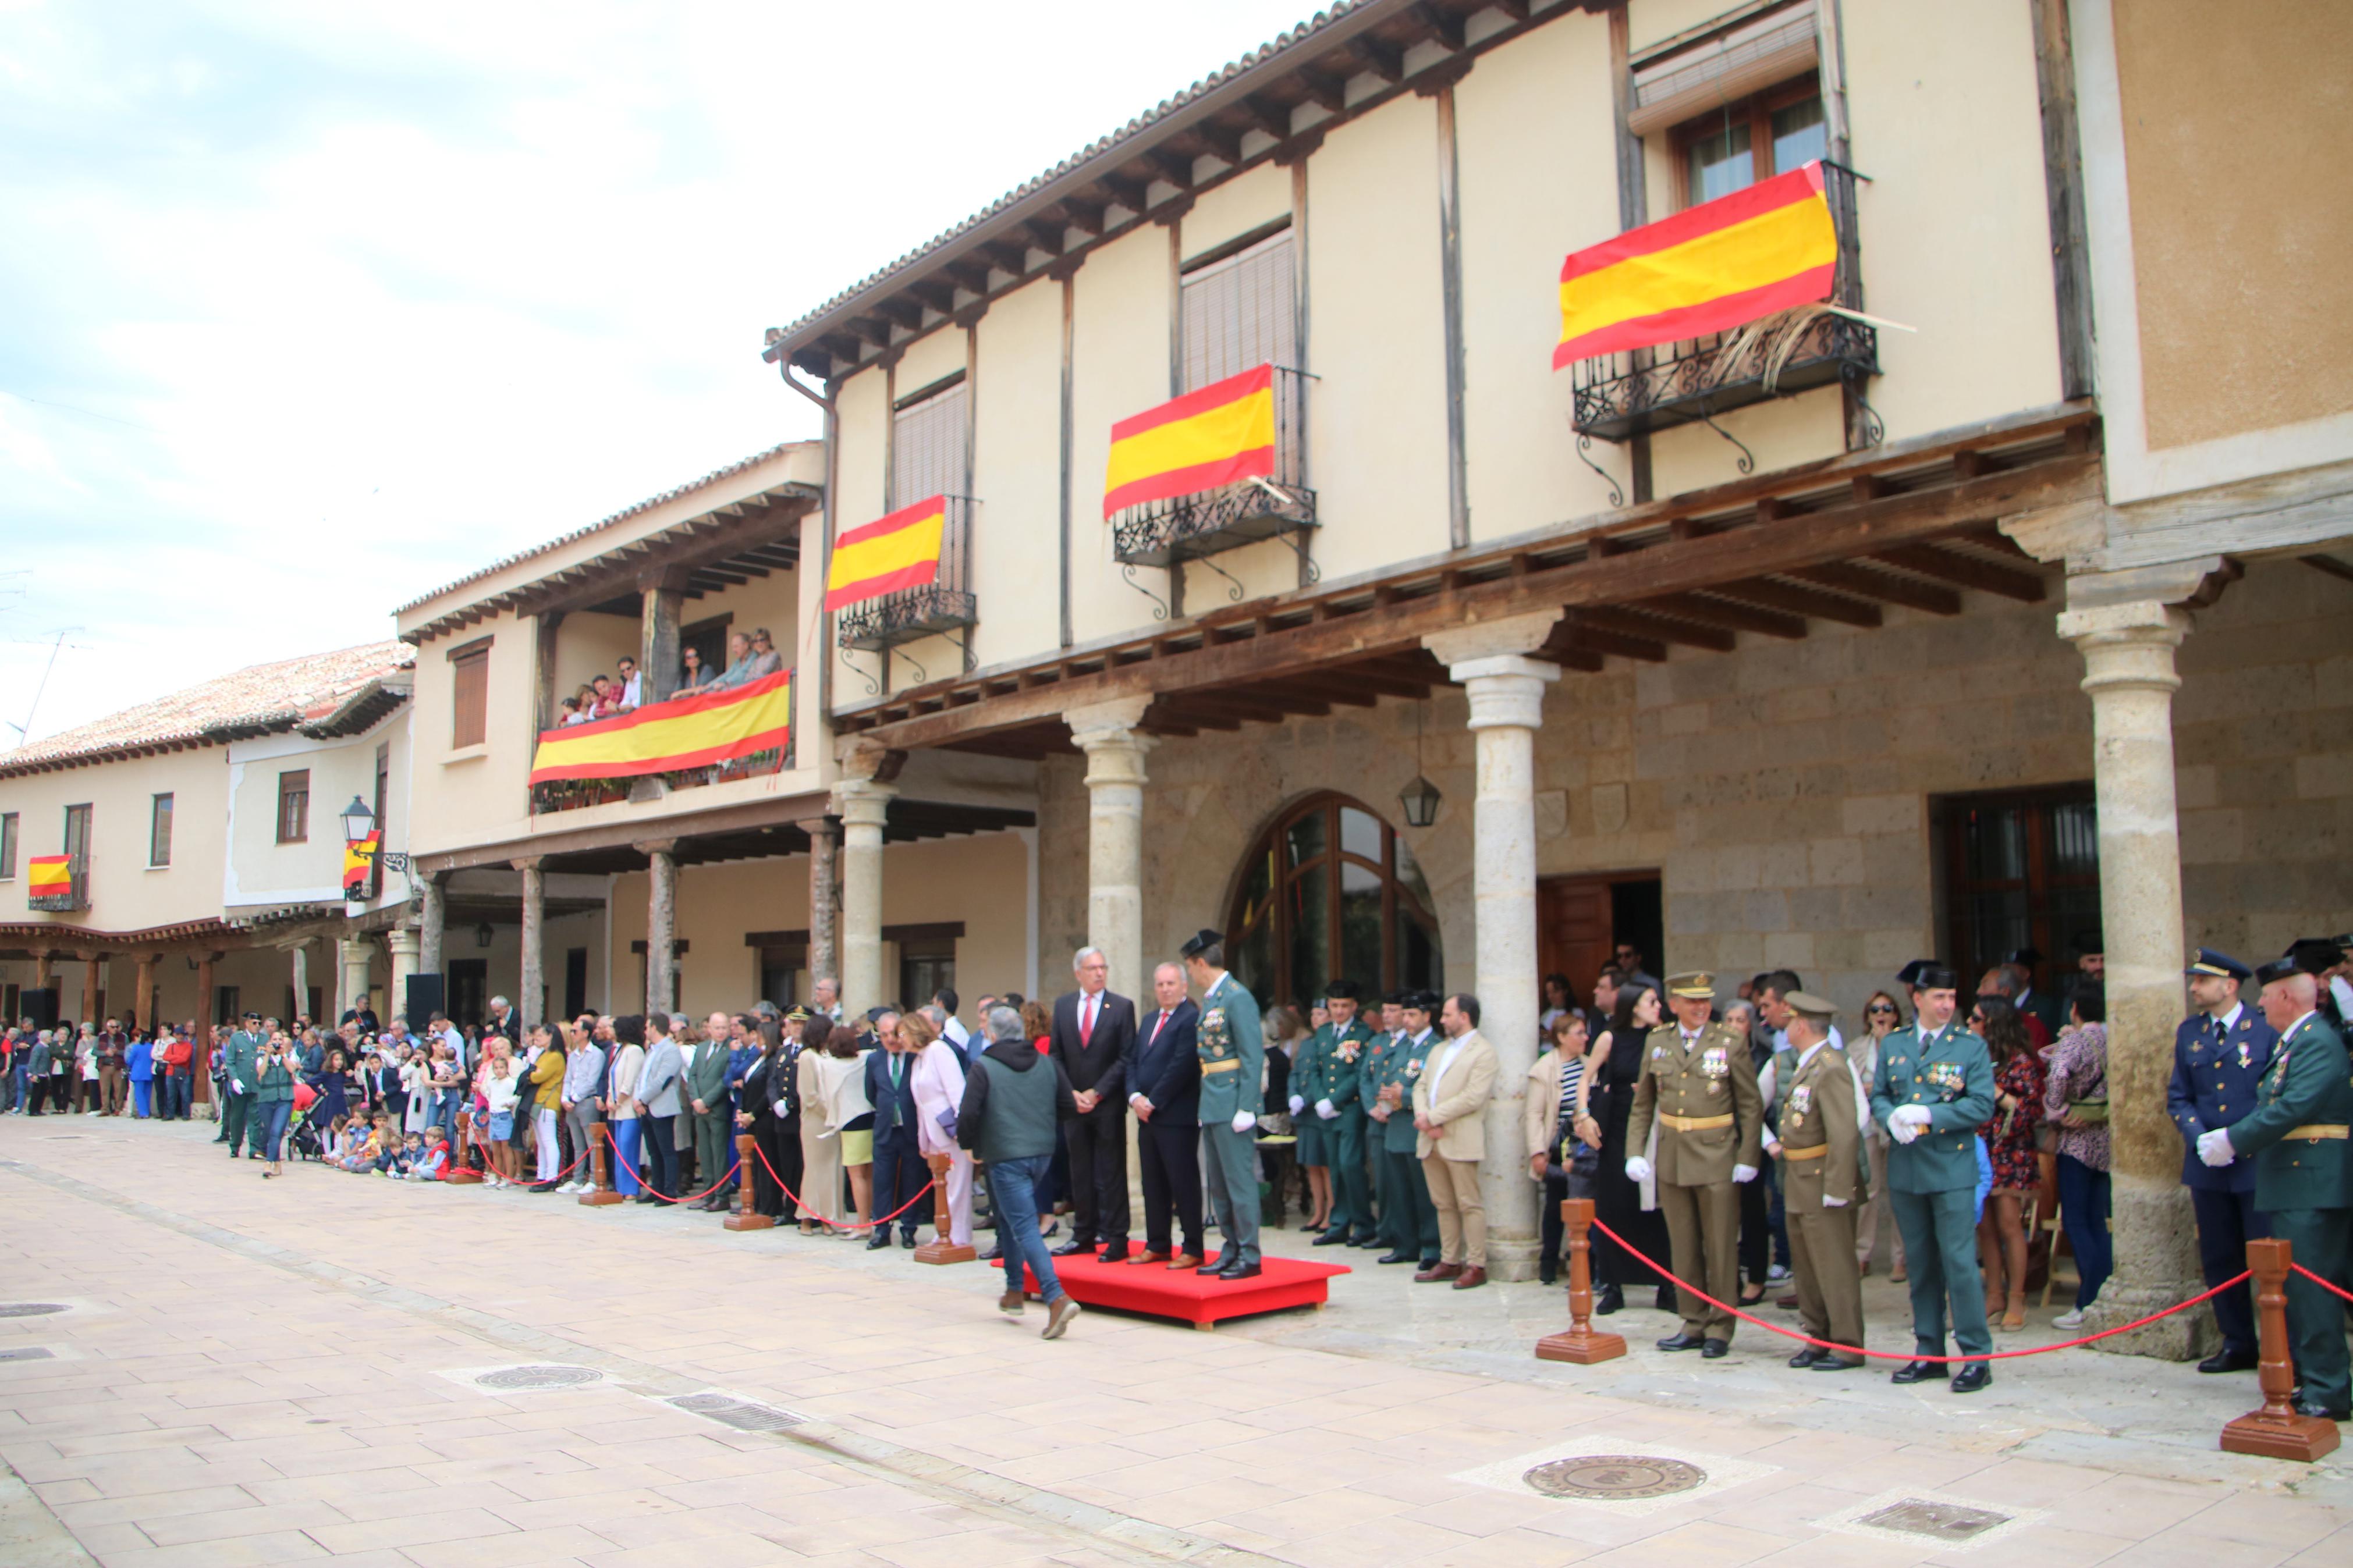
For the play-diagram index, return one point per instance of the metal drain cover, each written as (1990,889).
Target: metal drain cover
(537,1377)
(28,1309)
(743,1414)
(1939,1521)
(1607,1477)
(28,1353)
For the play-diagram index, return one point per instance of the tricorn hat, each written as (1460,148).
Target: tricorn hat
(1199,940)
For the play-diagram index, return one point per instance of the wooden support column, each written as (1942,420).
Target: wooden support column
(824,899)
(543,668)
(143,1013)
(664,595)
(44,969)
(90,961)
(661,924)
(430,925)
(532,1003)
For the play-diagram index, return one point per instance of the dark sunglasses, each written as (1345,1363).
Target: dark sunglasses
(1881,1007)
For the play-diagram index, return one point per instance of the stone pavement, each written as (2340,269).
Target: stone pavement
(251,1372)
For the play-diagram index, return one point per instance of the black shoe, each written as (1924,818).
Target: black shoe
(1311,1225)
(1394,1256)
(1051,1230)
(1331,1238)
(1608,1299)
(993,1254)
(2325,1412)
(1071,1248)
(1831,1362)
(1977,1374)
(544,1187)
(1240,1270)
(1548,1276)
(908,1241)
(1370,1241)
(647,1198)
(1681,1340)
(1666,1301)
(1912,1372)
(1715,1349)
(1219,1264)
(2227,1359)
(878,1241)
(1117,1252)
(1807,1357)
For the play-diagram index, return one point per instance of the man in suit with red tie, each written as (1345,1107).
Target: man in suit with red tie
(1094,1031)
(1164,1091)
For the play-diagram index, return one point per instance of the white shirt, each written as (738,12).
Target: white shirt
(955,1033)
(2230,1020)
(631,688)
(1445,1059)
(1090,1006)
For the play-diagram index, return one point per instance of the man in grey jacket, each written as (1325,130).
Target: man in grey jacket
(658,1092)
(584,1074)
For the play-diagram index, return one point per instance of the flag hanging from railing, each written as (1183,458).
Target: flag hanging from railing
(1710,269)
(696,731)
(359,861)
(49,876)
(1219,435)
(900,551)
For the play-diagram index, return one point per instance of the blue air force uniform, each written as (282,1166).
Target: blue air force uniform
(2217,1064)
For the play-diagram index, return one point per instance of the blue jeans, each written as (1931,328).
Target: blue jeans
(1013,1188)
(273,1117)
(177,1090)
(446,1104)
(2083,1210)
(11,1095)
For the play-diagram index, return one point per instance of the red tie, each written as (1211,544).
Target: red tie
(1086,1020)
(1158,1025)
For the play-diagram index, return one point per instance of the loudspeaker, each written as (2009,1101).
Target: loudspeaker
(424,1000)
(40,1006)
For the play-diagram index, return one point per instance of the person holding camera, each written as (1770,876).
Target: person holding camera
(275,1070)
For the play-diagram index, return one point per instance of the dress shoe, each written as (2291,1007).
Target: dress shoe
(1807,1357)
(1977,1374)
(2325,1412)
(544,1187)
(1331,1238)
(1715,1349)
(1608,1299)
(1117,1252)
(1073,1248)
(1240,1270)
(1184,1260)
(993,1254)
(908,1241)
(647,1198)
(1219,1265)
(1395,1257)
(1548,1276)
(878,1241)
(1311,1225)
(1830,1363)
(1912,1372)
(1666,1299)
(1786,1303)
(1470,1279)
(1147,1256)
(1369,1243)
(1682,1339)
(2229,1361)
(1438,1271)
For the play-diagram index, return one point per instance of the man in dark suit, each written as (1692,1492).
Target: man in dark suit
(899,1167)
(2220,1056)
(1164,1092)
(1093,1032)
(714,1116)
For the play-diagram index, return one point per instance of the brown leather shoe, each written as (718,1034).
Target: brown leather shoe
(1182,1260)
(1436,1273)
(1147,1256)
(1786,1303)
(1470,1279)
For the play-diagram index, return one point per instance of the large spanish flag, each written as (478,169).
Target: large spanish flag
(1217,435)
(690,731)
(49,876)
(1710,269)
(900,551)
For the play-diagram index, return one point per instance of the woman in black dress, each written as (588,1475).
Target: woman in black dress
(1618,1058)
(758,1117)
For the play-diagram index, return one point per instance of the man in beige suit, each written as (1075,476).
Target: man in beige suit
(1820,1150)
(1450,1102)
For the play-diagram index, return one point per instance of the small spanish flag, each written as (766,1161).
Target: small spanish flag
(1219,435)
(359,861)
(1710,269)
(49,876)
(695,730)
(900,551)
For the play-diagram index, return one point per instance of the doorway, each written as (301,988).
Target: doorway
(1582,921)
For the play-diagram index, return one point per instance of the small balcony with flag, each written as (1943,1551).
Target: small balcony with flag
(58,883)
(1222,467)
(701,738)
(1752,296)
(904,576)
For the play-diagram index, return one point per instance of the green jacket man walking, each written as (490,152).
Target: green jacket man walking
(1232,1047)
(239,1064)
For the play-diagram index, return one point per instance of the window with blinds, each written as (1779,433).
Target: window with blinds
(931,445)
(1240,312)
(469,679)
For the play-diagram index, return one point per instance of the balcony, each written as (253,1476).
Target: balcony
(1186,527)
(1625,395)
(719,737)
(944,604)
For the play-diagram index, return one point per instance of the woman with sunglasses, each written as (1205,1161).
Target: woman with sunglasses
(2008,1137)
(1881,1017)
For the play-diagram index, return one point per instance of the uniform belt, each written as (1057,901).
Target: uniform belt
(1695,1123)
(1220,1066)
(1816,1152)
(2314,1131)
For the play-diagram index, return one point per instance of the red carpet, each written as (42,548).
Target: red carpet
(1153,1289)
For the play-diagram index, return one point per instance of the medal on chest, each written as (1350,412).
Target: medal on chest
(1801,1100)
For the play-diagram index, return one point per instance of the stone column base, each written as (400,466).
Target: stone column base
(1510,1258)
(2185,1336)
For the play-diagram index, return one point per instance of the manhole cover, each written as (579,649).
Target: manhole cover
(1613,1476)
(28,1309)
(742,1415)
(523,1378)
(1940,1521)
(28,1353)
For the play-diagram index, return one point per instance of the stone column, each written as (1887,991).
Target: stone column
(1506,691)
(431,923)
(90,973)
(354,956)
(1115,750)
(298,967)
(403,942)
(824,899)
(863,804)
(662,923)
(2129,671)
(142,1008)
(532,1005)
(203,1040)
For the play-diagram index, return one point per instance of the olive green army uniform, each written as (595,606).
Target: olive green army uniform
(1821,1185)
(1700,1092)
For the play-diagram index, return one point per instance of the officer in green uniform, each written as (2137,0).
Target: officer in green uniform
(1933,1090)
(1409,1219)
(2297,1136)
(241,1062)
(1232,1048)
(1311,1081)
(1340,1050)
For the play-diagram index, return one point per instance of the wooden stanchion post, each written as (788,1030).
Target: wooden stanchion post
(1581,1344)
(941,1248)
(600,1191)
(747,1152)
(461,1175)
(2276,1431)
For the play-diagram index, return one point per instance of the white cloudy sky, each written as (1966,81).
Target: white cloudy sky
(308,308)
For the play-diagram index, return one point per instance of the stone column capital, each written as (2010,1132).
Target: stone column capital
(1506,690)
(402,938)
(862,803)
(1482,640)
(2127,646)
(528,862)
(1110,721)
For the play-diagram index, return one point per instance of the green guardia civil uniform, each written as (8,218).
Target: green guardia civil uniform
(1701,1094)
(1342,1057)
(1232,1050)
(241,1061)
(1932,1181)
(1311,1079)
(1409,1219)
(2297,1136)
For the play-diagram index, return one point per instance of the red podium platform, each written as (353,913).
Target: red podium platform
(1195,1299)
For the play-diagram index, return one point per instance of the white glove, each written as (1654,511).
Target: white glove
(1638,1169)
(783,1106)
(1744,1174)
(1906,1122)
(1326,1110)
(1298,1104)
(2214,1147)
(1244,1121)
(1831,1203)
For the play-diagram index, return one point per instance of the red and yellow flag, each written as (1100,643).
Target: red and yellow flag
(1712,267)
(900,551)
(1217,435)
(49,876)
(359,861)
(690,731)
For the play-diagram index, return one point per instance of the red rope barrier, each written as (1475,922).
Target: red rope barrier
(2324,1284)
(851,1225)
(646,1187)
(1908,1356)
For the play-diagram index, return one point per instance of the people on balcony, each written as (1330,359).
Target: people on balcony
(696,674)
(739,661)
(629,687)
(765,659)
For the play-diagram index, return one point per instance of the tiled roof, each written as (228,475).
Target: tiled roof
(558,543)
(316,690)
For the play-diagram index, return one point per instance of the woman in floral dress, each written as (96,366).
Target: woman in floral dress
(2017,1173)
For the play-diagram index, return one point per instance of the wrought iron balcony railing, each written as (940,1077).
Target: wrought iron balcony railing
(1186,527)
(944,604)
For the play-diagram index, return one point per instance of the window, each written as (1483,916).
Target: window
(224,1008)
(931,444)
(1731,148)
(8,847)
(926,968)
(1238,310)
(469,705)
(575,982)
(295,806)
(2022,870)
(159,832)
(1331,890)
(469,984)
(77,852)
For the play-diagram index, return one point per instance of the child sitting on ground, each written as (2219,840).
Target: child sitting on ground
(429,1164)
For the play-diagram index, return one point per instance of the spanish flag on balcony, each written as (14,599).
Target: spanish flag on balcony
(359,861)
(49,876)
(900,551)
(690,731)
(1710,269)
(1219,435)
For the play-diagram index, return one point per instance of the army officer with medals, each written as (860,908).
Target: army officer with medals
(1697,1088)
(2219,1057)
(1932,1092)
(1823,1182)
(1233,1055)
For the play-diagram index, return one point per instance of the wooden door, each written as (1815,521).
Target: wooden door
(1574,930)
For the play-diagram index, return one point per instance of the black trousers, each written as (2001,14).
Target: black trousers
(900,1173)
(1551,1229)
(1098,1144)
(657,1153)
(1756,1231)
(1171,1157)
(2226,1223)
(780,1141)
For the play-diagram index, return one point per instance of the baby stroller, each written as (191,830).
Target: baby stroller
(299,1131)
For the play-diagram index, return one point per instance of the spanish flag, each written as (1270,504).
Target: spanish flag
(359,861)
(1715,267)
(49,876)
(900,551)
(690,731)
(1218,435)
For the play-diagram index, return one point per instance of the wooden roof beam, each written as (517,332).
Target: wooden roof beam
(1631,622)
(1849,578)
(1802,601)
(1328,93)
(1438,23)
(1271,118)
(1729,613)
(1967,571)
(1597,639)
(1174,167)
(1371,54)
